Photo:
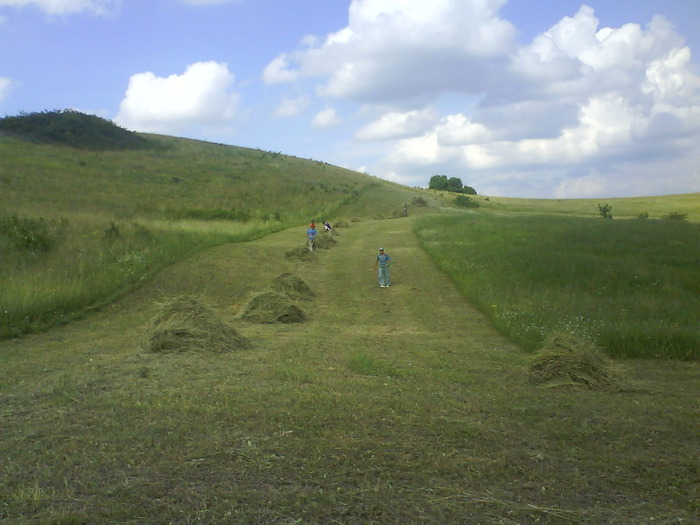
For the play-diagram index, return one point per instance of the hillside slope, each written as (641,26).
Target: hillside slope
(398,405)
(57,164)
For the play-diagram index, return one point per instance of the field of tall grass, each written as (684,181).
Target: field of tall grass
(52,271)
(81,226)
(631,286)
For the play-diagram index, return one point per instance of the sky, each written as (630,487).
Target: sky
(517,98)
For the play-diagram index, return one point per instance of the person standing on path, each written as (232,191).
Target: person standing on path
(311,236)
(382,263)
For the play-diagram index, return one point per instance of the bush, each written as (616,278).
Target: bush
(605,211)
(28,234)
(466,202)
(676,216)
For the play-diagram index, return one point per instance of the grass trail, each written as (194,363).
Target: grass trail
(399,405)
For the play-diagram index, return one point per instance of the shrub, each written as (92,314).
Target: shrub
(676,216)
(28,234)
(113,231)
(466,202)
(605,211)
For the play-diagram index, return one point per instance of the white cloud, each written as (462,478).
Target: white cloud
(277,71)
(326,118)
(393,50)
(5,86)
(201,96)
(66,7)
(580,111)
(394,125)
(290,107)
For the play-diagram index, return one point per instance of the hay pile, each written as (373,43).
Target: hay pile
(293,286)
(185,324)
(566,359)
(324,242)
(300,252)
(272,307)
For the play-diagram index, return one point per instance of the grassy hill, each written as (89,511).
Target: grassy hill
(414,404)
(80,226)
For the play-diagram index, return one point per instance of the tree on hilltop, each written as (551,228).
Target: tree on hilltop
(453,184)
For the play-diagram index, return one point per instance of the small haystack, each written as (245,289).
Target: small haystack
(324,242)
(272,307)
(566,359)
(300,252)
(185,324)
(293,286)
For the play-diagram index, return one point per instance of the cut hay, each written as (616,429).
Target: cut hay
(324,242)
(272,307)
(184,324)
(300,252)
(293,286)
(566,359)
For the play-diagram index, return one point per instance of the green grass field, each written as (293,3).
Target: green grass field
(399,405)
(412,404)
(631,286)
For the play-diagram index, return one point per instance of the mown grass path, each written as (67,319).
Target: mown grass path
(397,405)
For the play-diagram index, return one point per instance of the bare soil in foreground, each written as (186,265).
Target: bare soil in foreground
(398,405)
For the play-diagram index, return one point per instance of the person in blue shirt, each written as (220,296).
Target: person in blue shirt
(311,236)
(381,264)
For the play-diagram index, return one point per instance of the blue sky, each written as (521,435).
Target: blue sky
(521,98)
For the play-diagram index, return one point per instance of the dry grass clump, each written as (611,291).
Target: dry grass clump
(293,286)
(186,324)
(272,307)
(300,252)
(324,242)
(566,359)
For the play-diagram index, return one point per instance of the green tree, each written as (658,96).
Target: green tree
(438,182)
(605,211)
(454,184)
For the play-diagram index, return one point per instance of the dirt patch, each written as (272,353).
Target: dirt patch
(272,307)
(293,286)
(186,324)
(566,359)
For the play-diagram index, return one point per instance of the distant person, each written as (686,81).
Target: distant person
(311,236)
(382,263)
(405,210)
(327,227)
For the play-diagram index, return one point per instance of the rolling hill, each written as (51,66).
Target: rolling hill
(397,405)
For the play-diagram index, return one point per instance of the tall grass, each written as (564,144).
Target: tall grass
(631,286)
(87,266)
